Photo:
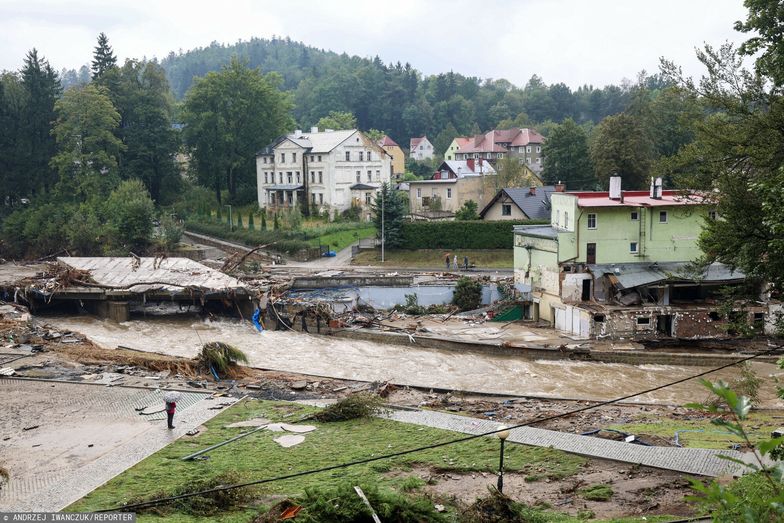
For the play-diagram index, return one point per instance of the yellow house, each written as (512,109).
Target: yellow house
(456,144)
(397,154)
(453,184)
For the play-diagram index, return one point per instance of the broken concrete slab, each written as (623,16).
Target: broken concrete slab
(255,422)
(289,440)
(300,429)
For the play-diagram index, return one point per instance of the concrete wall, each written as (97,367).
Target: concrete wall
(538,267)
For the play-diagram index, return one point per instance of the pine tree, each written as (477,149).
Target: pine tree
(392,204)
(103,57)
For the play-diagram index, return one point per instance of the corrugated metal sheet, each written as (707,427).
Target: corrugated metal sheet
(169,274)
(630,275)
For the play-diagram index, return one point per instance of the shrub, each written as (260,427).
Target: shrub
(360,405)
(170,231)
(468,294)
(476,234)
(342,503)
(220,356)
(205,505)
(130,211)
(467,212)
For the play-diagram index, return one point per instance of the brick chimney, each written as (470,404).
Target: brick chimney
(560,187)
(470,164)
(532,190)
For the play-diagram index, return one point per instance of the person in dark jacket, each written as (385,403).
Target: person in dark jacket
(170,408)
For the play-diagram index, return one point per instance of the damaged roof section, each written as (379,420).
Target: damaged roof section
(631,275)
(139,275)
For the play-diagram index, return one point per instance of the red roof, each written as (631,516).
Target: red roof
(495,141)
(386,141)
(669,198)
(415,141)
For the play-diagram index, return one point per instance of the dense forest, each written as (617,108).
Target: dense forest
(395,98)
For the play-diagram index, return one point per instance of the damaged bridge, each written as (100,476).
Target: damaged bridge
(108,286)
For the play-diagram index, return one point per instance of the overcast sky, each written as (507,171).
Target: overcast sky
(571,41)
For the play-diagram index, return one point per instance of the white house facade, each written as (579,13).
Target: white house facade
(330,170)
(421,148)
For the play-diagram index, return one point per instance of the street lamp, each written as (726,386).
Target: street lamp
(502,436)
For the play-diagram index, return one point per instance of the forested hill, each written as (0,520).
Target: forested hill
(397,98)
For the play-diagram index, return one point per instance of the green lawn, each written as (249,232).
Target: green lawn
(434,258)
(340,240)
(257,456)
(759,427)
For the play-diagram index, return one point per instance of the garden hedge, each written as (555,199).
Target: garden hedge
(475,234)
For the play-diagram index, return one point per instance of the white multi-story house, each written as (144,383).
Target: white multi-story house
(421,148)
(331,170)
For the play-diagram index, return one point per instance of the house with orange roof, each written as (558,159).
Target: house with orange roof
(457,143)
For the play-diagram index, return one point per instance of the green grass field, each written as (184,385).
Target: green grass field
(257,456)
(340,240)
(434,258)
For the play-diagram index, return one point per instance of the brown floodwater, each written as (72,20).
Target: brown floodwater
(408,365)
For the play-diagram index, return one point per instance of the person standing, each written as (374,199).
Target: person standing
(465,262)
(171,407)
(455,265)
(446,261)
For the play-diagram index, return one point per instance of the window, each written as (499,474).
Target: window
(311,157)
(319,157)
(320,178)
(361,156)
(476,155)
(265,177)
(419,193)
(378,175)
(712,215)
(297,174)
(420,147)
(264,159)
(282,157)
(321,197)
(592,221)
(294,157)
(633,247)
(662,216)
(643,320)
(506,210)
(368,155)
(281,177)
(635,216)
(528,149)
(359,175)
(313,198)
(367,198)
(538,148)
(449,193)
(538,160)
(348,156)
(370,176)
(529,160)
(312,177)
(566,220)
(499,155)
(288,176)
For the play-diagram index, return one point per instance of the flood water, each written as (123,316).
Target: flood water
(430,368)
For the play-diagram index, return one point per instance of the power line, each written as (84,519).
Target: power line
(169,499)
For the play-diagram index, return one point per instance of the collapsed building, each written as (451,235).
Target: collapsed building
(619,264)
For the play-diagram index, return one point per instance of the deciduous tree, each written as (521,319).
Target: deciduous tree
(620,146)
(567,157)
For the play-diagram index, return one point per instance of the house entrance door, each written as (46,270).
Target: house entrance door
(590,254)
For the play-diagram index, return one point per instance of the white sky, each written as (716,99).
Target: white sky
(572,41)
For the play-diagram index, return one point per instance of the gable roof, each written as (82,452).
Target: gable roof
(463,167)
(493,141)
(534,206)
(416,141)
(386,141)
(322,142)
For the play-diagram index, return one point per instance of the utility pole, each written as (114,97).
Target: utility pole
(383,207)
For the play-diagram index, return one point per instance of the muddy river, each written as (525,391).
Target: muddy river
(409,365)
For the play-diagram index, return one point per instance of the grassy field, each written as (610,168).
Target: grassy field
(340,240)
(434,258)
(701,432)
(257,456)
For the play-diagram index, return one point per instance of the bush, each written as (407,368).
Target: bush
(220,356)
(170,232)
(467,212)
(130,211)
(356,406)
(205,505)
(459,235)
(342,504)
(468,294)
(597,493)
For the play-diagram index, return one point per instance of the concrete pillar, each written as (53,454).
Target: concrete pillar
(118,311)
